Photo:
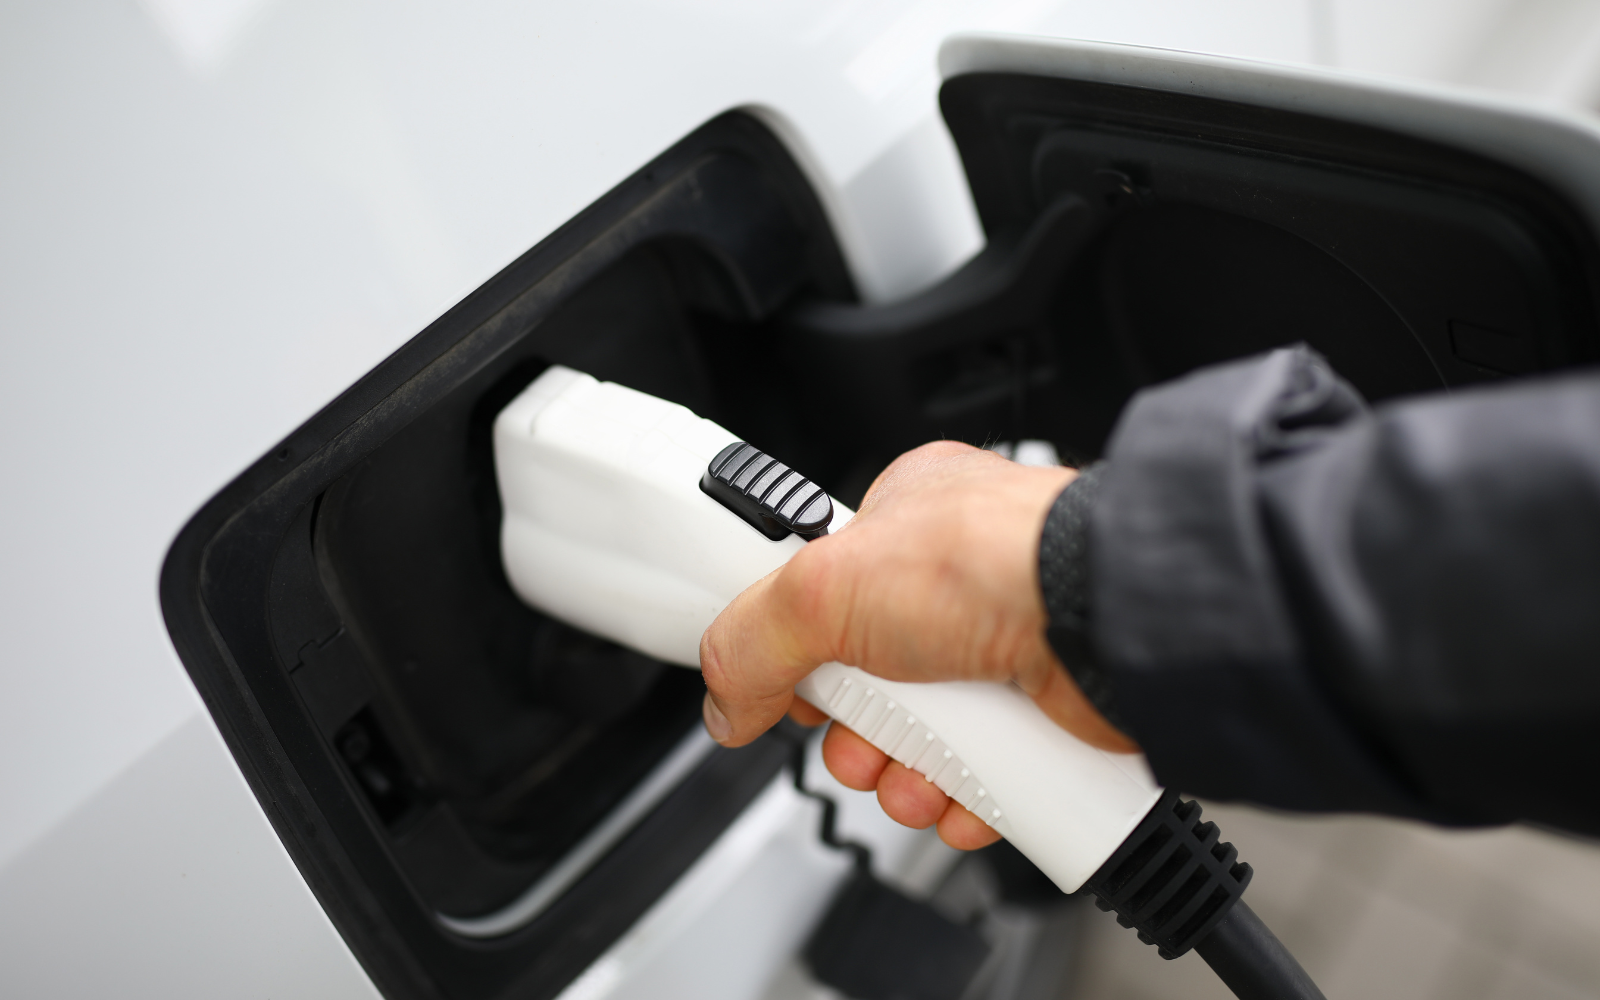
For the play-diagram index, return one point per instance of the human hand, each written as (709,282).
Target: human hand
(935,579)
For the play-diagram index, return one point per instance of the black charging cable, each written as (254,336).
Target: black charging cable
(827,828)
(1249,958)
(875,942)
(1176,882)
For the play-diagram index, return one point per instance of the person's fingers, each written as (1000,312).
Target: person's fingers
(909,798)
(959,828)
(852,760)
(806,714)
(765,641)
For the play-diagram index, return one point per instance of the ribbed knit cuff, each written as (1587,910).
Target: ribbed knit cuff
(1064,579)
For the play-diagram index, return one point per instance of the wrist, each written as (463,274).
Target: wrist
(1065,585)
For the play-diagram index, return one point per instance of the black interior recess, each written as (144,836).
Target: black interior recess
(429,749)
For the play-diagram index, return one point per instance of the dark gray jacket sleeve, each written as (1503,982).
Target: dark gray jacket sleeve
(1294,600)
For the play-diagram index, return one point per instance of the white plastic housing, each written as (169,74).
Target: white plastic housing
(606,529)
(605,525)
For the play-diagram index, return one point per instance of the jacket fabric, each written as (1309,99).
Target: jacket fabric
(1291,598)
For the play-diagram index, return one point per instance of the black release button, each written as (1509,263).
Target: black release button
(773,498)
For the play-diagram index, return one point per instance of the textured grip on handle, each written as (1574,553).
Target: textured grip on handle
(891,727)
(1064,804)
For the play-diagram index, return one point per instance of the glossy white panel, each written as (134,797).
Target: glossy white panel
(140,895)
(762,885)
(1548,49)
(1434,39)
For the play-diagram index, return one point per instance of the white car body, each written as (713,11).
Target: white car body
(218,214)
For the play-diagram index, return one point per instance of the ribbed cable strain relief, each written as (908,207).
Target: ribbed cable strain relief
(1172,880)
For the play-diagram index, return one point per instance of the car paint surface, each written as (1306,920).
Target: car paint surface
(217,214)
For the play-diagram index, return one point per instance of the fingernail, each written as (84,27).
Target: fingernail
(717,724)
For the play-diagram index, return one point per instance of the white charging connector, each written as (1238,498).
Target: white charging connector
(608,528)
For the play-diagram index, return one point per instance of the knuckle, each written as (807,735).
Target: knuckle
(712,668)
(945,449)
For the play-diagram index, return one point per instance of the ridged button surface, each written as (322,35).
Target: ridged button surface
(772,497)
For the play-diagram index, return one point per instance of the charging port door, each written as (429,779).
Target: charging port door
(484,799)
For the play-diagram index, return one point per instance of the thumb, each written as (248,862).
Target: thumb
(755,652)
